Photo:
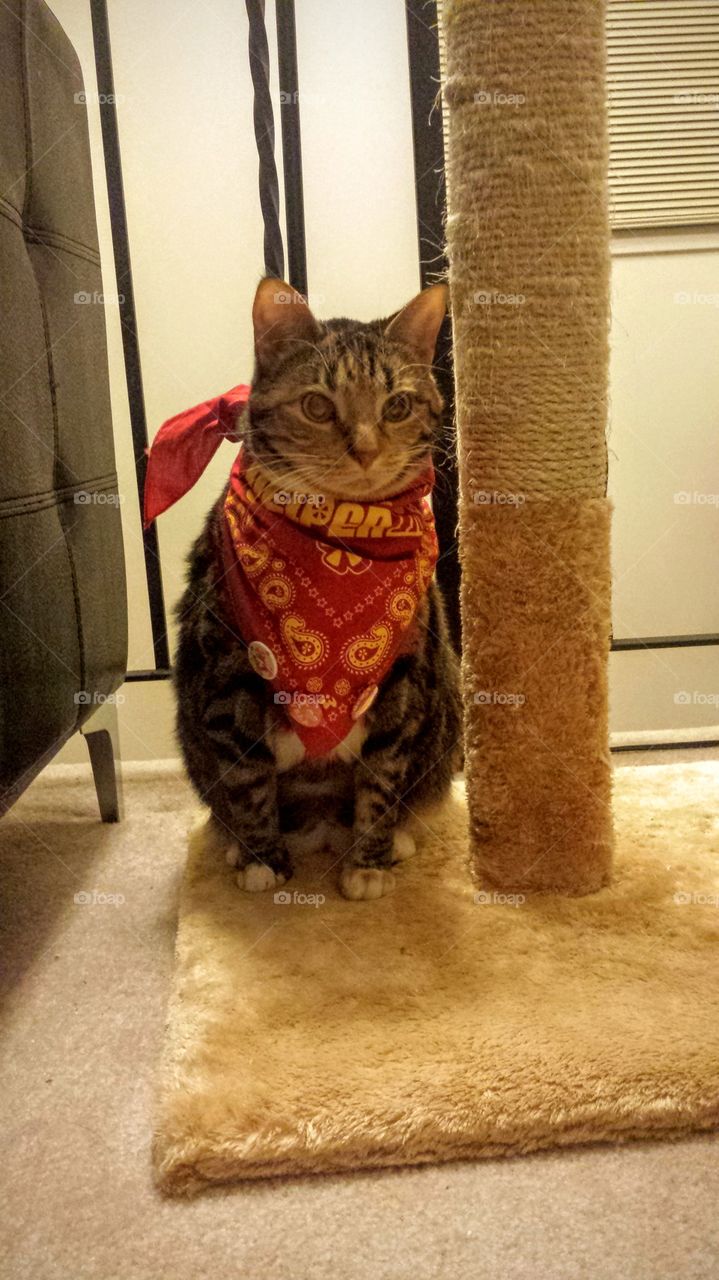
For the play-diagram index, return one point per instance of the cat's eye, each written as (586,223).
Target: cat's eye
(318,408)
(397,408)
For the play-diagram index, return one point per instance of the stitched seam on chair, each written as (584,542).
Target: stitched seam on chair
(79,486)
(50,365)
(61,514)
(40,235)
(9,211)
(29,232)
(53,497)
(49,504)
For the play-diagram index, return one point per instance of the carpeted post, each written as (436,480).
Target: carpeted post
(528,247)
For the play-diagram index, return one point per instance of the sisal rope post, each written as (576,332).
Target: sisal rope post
(528,247)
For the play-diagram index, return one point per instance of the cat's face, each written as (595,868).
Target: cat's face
(343,408)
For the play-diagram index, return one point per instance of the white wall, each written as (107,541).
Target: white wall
(362,255)
(664,477)
(190,173)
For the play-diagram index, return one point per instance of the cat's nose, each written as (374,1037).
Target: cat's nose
(365,444)
(366,455)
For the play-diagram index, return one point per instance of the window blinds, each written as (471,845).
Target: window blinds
(663,90)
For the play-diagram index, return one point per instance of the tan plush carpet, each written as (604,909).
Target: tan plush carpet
(84,990)
(437,1024)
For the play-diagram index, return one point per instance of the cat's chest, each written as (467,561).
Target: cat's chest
(289,750)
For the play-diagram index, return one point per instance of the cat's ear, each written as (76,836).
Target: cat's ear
(280,315)
(417,325)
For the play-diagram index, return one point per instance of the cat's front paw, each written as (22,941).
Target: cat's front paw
(361,884)
(256,877)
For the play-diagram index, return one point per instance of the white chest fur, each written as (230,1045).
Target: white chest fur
(289,751)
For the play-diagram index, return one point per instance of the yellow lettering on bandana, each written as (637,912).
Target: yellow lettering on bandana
(340,519)
(408,526)
(311,514)
(353,520)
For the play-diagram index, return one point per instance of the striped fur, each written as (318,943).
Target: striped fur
(239,754)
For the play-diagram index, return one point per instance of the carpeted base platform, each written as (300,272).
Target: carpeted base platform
(435,1024)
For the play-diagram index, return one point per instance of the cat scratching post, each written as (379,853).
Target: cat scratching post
(528,248)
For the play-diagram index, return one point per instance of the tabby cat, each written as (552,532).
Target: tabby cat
(349,410)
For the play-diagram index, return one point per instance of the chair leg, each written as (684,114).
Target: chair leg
(101,735)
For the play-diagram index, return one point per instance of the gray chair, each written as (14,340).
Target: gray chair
(63,607)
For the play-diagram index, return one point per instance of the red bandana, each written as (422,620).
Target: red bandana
(323,590)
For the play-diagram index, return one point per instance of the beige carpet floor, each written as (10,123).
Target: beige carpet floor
(86,986)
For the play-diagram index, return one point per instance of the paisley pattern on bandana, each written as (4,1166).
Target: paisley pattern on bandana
(325,596)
